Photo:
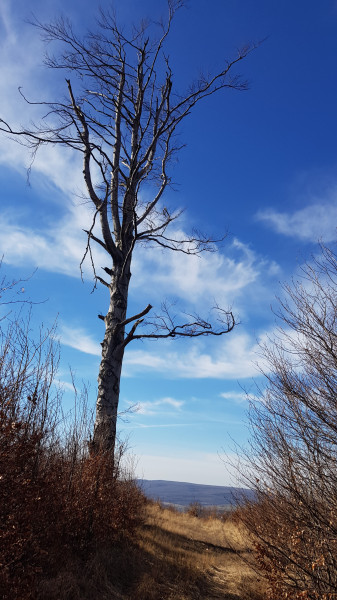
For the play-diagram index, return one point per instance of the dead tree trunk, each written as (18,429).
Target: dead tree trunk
(112,359)
(122,115)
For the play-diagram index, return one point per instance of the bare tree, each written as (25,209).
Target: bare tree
(292,464)
(122,114)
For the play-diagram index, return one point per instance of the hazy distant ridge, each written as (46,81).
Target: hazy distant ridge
(183,493)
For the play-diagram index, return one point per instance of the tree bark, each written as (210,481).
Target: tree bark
(110,369)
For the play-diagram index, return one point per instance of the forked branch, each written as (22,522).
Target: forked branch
(164,326)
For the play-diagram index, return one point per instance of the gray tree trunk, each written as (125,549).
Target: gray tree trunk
(111,364)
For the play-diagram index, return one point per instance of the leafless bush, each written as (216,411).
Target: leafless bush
(293,452)
(196,509)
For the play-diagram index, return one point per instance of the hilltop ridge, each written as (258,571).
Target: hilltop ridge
(182,493)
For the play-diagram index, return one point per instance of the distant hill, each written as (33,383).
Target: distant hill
(182,494)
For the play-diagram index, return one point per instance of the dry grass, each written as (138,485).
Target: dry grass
(171,556)
(189,558)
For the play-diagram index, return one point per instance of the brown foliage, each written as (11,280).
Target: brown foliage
(57,503)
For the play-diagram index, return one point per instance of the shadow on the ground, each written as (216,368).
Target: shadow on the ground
(163,566)
(184,542)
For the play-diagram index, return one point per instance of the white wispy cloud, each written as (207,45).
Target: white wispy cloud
(156,406)
(221,275)
(65,385)
(236,277)
(57,247)
(54,243)
(237,397)
(21,57)
(240,397)
(78,338)
(311,223)
(157,426)
(235,357)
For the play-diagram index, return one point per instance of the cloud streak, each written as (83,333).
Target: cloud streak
(234,358)
(21,67)
(311,223)
(77,338)
(57,248)
(224,277)
(158,406)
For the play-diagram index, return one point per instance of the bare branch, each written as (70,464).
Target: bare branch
(101,280)
(138,316)
(130,336)
(193,245)
(163,325)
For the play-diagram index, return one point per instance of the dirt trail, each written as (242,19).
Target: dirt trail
(228,573)
(199,559)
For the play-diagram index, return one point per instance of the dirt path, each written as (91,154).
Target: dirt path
(229,574)
(197,559)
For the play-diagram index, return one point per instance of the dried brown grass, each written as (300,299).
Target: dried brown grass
(171,556)
(191,557)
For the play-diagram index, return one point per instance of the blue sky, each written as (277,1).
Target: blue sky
(260,165)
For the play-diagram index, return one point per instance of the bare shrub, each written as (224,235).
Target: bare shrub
(195,509)
(57,503)
(293,454)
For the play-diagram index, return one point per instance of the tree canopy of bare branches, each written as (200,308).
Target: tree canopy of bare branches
(121,111)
